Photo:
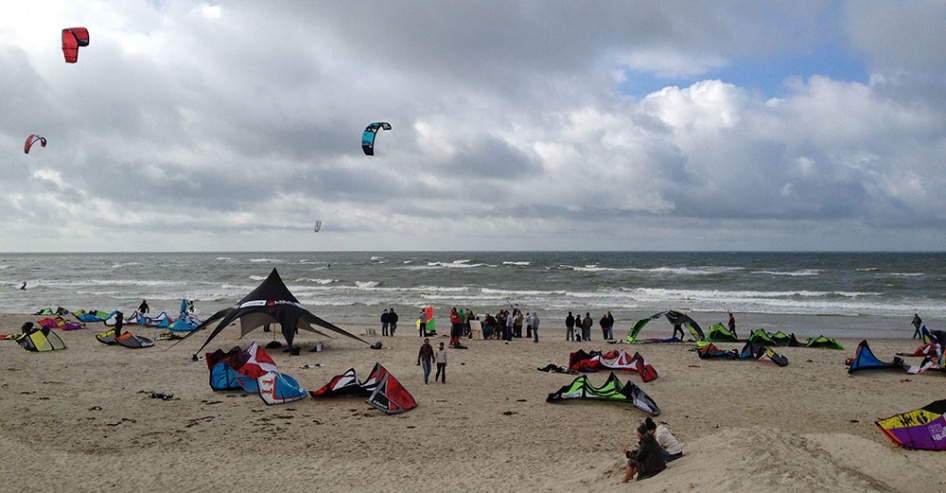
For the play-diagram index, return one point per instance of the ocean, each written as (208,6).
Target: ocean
(835,294)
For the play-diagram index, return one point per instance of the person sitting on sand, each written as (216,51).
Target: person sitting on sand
(670,448)
(646,460)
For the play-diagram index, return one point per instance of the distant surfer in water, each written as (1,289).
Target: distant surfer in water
(23,286)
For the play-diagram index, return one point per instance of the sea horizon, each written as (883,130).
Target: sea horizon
(839,293)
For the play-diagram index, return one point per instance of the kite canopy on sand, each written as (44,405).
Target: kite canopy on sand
(271,302)
(675,318)
(864,359)
(922,429)
(383,390)
(612,390)
(254,371)
(40,340)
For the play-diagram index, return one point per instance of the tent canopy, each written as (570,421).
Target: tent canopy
(270,303)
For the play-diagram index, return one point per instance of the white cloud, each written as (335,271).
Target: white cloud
(225,125)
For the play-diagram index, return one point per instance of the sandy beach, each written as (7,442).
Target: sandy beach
(82,419)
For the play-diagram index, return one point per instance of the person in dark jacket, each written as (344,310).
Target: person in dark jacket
(392,321)
(384,323)
(119,322)
(646,460)
(570,327)
(917,323)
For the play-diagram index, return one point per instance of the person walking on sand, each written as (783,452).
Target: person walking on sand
(143,308)
(732,324)
(440,357)
(424,358)
(422,326)
(917,323)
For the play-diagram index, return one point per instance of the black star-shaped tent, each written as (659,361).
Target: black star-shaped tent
(271,302)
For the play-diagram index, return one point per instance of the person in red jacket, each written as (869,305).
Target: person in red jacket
(456,327)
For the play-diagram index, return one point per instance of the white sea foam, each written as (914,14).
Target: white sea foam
(802,272)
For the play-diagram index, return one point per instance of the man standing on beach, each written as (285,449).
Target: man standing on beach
(535,327)
(732,324)
(917,323)
(586,327)
(569,327)
(392,321)
(610,326)
(424,358)
(384,323)
(119,322)
(422,326)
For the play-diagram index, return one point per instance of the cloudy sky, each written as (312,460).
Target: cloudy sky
(517,125)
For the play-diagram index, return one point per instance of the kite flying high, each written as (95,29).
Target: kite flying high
(72,39)
(367,138)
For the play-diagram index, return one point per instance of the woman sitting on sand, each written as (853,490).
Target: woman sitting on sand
(670,447)
(646,460)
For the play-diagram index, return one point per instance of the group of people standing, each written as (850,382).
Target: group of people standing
(579,329)
(507,325)
(388,322)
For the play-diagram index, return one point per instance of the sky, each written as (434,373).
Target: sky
(516,125)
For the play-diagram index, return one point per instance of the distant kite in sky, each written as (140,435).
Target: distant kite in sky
(32,139)
(318,226)
(72,39)
(367,138)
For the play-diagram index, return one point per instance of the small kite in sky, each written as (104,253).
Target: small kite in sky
(72,39)
(32,139)
(367,138)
